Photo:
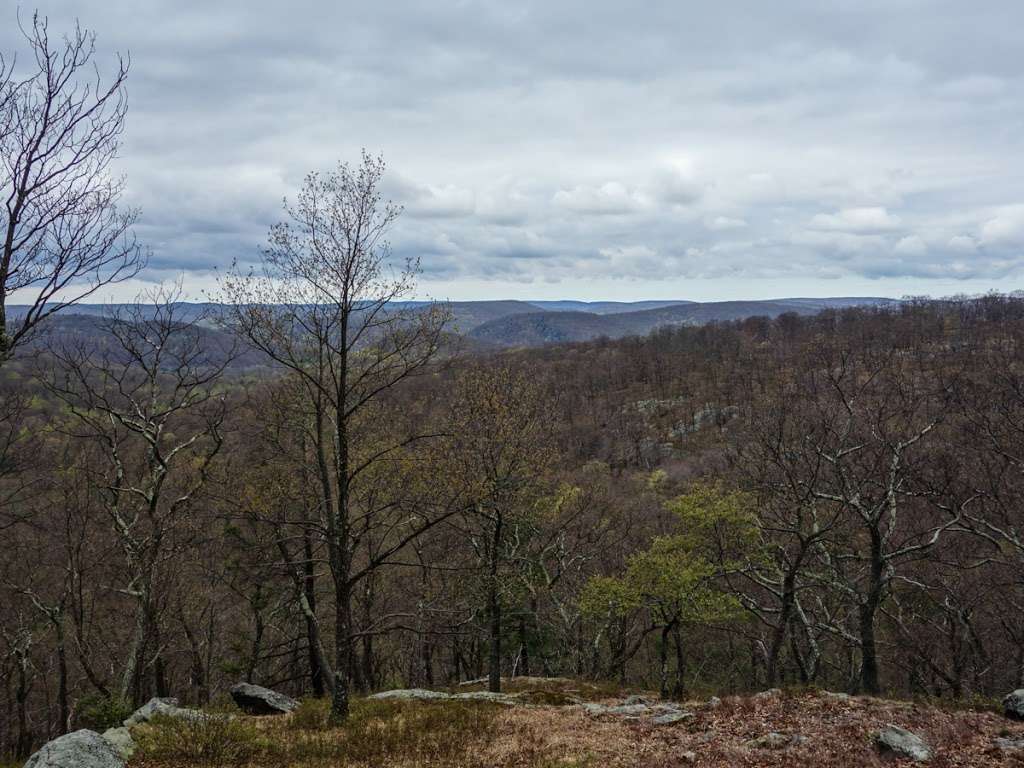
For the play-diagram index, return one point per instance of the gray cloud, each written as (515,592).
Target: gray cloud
(590,149)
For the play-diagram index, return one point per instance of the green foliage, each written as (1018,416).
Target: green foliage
(98,713)
(678,574)
(717,524)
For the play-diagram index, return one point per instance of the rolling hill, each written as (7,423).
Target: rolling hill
(527,323)
(532,329)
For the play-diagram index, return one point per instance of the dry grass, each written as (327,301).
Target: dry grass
(476,735)
(838,733)
(379,733)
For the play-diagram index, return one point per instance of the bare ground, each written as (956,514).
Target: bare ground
(838,733)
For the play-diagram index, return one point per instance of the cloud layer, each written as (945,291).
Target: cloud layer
(590,149)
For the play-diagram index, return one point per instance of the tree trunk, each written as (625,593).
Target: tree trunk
(869,652)
(494,610)
(494,629)
(129,679)
(663,661)
(62,671)
(316,677)
(779,633)
(342,650)
(679,686)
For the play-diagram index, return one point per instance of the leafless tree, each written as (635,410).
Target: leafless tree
(62,235)
(148,402)
(326,306)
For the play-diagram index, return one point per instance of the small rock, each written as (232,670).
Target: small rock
(688,757)
(896,741)
(668,718)
(121,739)
(496,698)
(771,693)
(636,699)
(81,749)
(838,696)
(775,740)
(1013,704)
(714,703)
(1005,744)
(257,700)
(629,710)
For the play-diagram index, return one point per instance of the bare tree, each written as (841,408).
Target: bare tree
(325,306)
(148,402)
(62,235)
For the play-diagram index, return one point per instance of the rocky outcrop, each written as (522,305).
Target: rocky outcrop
(897,742)
(121,740)
(257,700)
(633,708)
(641,708)
(81,749)
(1013,704)
(167,707)
(422,694)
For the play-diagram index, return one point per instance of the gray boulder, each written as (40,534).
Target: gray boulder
(898,742)
(152,707)
(167,707)
(671,717)
(422,694)
(121,740)
(1013,704)
(411,694)
(629,710)
(81,749)
(257,700)
(1009,744)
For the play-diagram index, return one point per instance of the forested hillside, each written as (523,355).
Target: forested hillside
(830,500)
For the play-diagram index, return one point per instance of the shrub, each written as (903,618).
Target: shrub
(310,715)
(98,713)
(214,740)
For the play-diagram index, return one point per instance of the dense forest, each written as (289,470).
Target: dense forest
(829,500)
(315,484)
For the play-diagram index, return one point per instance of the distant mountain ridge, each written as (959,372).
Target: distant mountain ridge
(533,329)
(511,323)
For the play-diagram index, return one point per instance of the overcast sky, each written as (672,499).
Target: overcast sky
(592,149)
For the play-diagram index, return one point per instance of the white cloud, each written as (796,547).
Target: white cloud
(861,220)
(796,148)
(612,197)
(721,223)
(963,243)
(911,245)
(1006,227)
